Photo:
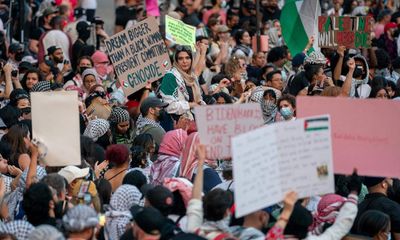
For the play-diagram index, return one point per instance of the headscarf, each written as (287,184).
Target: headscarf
(119,115)
(327,211)
(182,185)
(20,229)
(96,128)
(80,218)
(173,142)
(15,198)
(190,80)
(125,197)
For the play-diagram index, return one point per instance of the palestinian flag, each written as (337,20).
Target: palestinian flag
(299,21)
(316,124)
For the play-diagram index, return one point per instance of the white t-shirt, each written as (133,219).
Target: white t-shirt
(89,4)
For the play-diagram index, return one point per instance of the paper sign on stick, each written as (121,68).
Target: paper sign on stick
(218,123)
(55,122)
(180,32)
(365,133)
(274,159)
(138,55)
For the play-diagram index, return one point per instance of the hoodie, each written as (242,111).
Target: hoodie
(363,89)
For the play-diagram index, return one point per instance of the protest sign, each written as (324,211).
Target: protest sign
(55,122)
(218,123)
(365,133)
(352,32)
(274,159)
(138,55)
(180,32)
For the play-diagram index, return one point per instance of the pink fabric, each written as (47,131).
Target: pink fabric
(173,142)
(164,167)
(379,30)
(99,57)
(182,185)
(327,211)
(189,158)
(221,13)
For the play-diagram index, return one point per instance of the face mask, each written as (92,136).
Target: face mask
(84,35)
(286,113)
(82,69)
(357,73)
(161,115)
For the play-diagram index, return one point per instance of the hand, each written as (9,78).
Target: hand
(7,68)
(101,32)
(290,200)
(351,64)
(100,167)
(224,83)
(14,171)
(329,81)
(33,149)
(203,48)
(245,96)
(67,67)
(341,50)
(201,152)
(148,85)
(355,183)
(183,123)
(193,104)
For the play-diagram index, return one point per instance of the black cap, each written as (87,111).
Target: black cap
(52,49)
(151,102)
(372,181)
(15,47)
(82,26)
(149,219)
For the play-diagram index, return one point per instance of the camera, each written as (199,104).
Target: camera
(14,73)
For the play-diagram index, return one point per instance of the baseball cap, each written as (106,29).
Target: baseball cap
(82,26)
(149,219)
(50,10)
(151,102)
(15,47)
(52,49)
(72,172)
(390,26)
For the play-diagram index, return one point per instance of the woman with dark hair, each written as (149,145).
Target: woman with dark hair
(287,107)
(31,77)
(374,224)
(118,157)
(19,140)
(392,89)
(222,98)
(180,87)
(121,126)
(243,45)
(84,63)
(379,92)
(143,152)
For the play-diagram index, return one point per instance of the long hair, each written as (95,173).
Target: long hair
(15,137)
(23,80)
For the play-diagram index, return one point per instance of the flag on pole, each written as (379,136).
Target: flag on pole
(299,21)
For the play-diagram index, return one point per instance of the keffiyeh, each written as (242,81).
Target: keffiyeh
(143,121)
(96,128)
(79,218)
(42,86)
(19,228)
(119,115)
(46,232)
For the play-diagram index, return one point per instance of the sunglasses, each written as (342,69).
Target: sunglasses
(183,48)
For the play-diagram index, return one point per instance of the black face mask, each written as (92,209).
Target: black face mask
(161,115)
(357,73)
(19,56)
(84,35)
(82,69)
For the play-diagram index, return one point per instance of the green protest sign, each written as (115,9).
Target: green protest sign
(179,32)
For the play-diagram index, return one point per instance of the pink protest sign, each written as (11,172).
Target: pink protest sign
(365,133)
(152,8)
(217,124)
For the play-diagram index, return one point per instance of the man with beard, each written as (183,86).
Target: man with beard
(152,109)
(270,10)
(56,56)
(377,199)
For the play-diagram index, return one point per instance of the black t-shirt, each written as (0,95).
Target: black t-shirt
(380,202)
(37,32)
(124,14)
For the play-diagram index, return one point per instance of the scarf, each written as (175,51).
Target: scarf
(143,121)
(190,80)
(327,211)
(173,142)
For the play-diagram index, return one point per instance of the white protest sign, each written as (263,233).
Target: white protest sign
(218,123)
(55,122)
(274,159)
(138,55)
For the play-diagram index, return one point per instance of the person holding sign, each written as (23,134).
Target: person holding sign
(180,87)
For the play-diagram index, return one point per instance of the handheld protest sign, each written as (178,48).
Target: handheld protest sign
(139,55)
(217,124)
(352,32)
(99,109)
(55,123)
(180,32)
(365,133)
(286,156)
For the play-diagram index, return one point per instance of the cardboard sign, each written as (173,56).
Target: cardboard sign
(180,32)
(277,158)
(55,122)
(218,123)
(98,109)
(352,32)
(138,55)
(365,133)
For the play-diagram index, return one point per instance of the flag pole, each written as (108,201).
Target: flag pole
(258,32)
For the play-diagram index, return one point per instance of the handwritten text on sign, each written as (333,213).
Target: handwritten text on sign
(352,32)
(138,55)
(277,158)
(218,123)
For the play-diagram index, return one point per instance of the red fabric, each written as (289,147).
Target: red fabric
(131,104)
(173,142)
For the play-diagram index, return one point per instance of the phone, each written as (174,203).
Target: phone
(66,61)
(14,73)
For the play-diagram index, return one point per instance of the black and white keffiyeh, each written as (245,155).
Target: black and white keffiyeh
(79,218)
(119,115)
(96,128)
(20,229)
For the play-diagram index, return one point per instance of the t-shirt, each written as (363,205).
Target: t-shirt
(380,202)
(89,4)
(124,14)
(37,32)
